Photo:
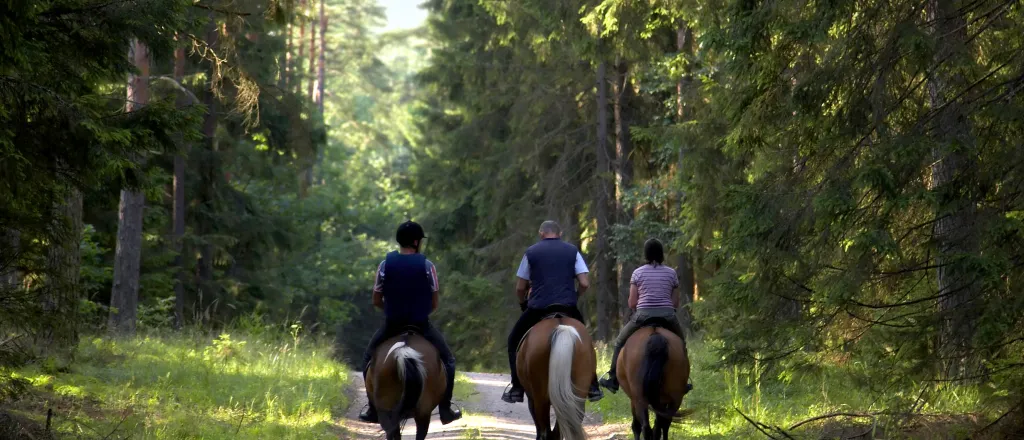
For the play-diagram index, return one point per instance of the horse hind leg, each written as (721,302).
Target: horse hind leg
(541,412)
(637,426)
(661,427)
(641,422)
(649,434)
(422,426)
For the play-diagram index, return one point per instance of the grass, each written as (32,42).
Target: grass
(190,386)
(720,393)
(464,391)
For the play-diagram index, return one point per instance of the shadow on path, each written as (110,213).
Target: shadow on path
(486,416)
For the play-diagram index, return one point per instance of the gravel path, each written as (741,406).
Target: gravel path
(485,414)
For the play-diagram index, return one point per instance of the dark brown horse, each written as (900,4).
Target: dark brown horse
(654,371)
(556,362)
(406,380)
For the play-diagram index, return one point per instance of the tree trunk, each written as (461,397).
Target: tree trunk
(623,177)
(59,336)
(604,261)
(321,70)
(10,254)
(124,296)
(286,57)
(684,264)
(302,45)
(178,208)
(312,60)
(204,270)
(954,230)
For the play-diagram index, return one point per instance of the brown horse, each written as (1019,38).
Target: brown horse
(654,371)
(556,362)
(406,380)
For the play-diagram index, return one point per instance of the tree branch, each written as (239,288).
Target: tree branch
(178,86)
(222,11)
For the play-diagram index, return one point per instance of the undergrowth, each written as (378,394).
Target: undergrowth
(190,385)
(720,394)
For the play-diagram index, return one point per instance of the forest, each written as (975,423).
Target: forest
(195,196)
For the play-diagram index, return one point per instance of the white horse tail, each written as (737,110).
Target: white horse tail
(568,406)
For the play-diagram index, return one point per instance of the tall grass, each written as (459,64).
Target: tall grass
(721,393)
(192,385)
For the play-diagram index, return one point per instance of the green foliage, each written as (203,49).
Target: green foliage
(192,385)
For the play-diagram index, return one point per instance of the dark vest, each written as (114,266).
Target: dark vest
(408,296)
(552,273)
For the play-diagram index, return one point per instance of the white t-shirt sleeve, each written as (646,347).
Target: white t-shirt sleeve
(524,269)
(581,266)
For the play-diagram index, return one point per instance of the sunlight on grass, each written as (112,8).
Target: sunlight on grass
(465,391)
(720,391)
(195,386)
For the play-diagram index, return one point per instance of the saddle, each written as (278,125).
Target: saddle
(654,321)
(552,315)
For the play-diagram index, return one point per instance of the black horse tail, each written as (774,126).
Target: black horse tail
(412,374)
(653,369)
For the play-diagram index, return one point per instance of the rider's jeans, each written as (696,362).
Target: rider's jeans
(636,322)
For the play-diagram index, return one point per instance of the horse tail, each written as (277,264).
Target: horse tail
(411,373)
(653,370)
(568,406)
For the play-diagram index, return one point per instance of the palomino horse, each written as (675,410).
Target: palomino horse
(653,371)
(556,362)
(406,380)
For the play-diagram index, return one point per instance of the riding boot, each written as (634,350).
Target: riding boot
(515,392)
(369,415)
(445,410)
(611,383)
(595,392)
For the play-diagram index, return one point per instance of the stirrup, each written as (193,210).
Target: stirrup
(456,411)
(508,393)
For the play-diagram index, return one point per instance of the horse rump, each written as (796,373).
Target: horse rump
(411,373)
(653,370)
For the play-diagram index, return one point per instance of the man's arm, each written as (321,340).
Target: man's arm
(436,298)
(523,282)
(584,283)
(675,297)
(581,275)
(378,287)
(522,287)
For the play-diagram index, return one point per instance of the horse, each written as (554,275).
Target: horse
(556,362)
(406,380)
(654,372)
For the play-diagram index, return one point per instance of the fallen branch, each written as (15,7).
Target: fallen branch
(996,421)
(831,415)
(761,427)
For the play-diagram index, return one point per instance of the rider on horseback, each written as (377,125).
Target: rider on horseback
(549,271)
(653,293)
(408,293)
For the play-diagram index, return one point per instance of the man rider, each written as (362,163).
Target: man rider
(549,270)
(406,289)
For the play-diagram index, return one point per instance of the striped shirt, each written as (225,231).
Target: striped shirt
(655,284)
(431,272)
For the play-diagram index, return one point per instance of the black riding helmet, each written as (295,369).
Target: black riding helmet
(408,233)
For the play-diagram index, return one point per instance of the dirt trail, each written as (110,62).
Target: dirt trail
(483,414)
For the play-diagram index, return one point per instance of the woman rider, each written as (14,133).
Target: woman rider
(653,293)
